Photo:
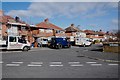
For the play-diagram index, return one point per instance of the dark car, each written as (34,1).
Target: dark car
(59,43)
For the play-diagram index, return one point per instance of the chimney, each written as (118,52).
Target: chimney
(1,13)
(17,19)
(100,30)
(46,20)
(72,25)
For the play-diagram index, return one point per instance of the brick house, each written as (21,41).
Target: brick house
(95,35)
(72,32)
(12,26)
(47,29)
(109,36)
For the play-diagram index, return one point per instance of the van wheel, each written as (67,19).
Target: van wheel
(25,48)
(59,46)
(84,45)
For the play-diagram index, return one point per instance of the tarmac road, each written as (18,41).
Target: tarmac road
(53,63)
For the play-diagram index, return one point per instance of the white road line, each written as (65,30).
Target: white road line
(55,62)
(1,62)
(12,64)
(91,62)
(32,65)
(112,64)
(16,51)
(17,62)
(36,62)
(56,65)
(77,65)
(73,62)
(96,64)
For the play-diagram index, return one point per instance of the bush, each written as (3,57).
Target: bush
(96,41)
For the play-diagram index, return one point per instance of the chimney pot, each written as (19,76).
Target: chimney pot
(72,24)
(46,20)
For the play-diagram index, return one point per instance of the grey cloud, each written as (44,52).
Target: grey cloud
(69,9)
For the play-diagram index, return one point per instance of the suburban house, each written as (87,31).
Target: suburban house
(109,36)
(1,24)
(72,32)
(47,29)
(12,26)
(95,35)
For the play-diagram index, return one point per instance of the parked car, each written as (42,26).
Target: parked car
(59,43)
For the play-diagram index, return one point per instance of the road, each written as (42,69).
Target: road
(53,63)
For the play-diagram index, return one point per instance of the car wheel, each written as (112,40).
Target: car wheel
(59,46)
(25,48)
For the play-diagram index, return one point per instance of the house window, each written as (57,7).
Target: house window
(48,31)
(23,28)
(58,31)
(41,30)
(96,35)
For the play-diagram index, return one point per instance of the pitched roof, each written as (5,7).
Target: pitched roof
(48,25)
(72,28)
(89,32)
(100,33)
(94,32)
(6,18)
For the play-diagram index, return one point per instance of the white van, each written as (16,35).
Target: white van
(79,41)
(15,42)
(42,41)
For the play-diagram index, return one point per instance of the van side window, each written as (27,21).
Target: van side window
(22,40)
(12,39)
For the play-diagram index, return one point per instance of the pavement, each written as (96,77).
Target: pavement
(98,54)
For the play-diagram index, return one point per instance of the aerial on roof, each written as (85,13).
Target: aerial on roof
(47,25)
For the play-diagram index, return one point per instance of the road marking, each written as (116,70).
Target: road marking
(36,62)
(32,65)
(112,64)
(74,62)
(55,62)
(11,51)
(91,62)
(12,64)
(96,64)
(56,65)
(77,65)
(17,62)
(1,62)
(41,49)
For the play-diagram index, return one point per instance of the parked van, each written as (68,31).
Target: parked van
(79,41)
(15,42)
(59,43)
(42,41)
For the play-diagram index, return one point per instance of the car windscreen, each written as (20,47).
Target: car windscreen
(45,39)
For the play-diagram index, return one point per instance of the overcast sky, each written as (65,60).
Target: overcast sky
(89,15)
